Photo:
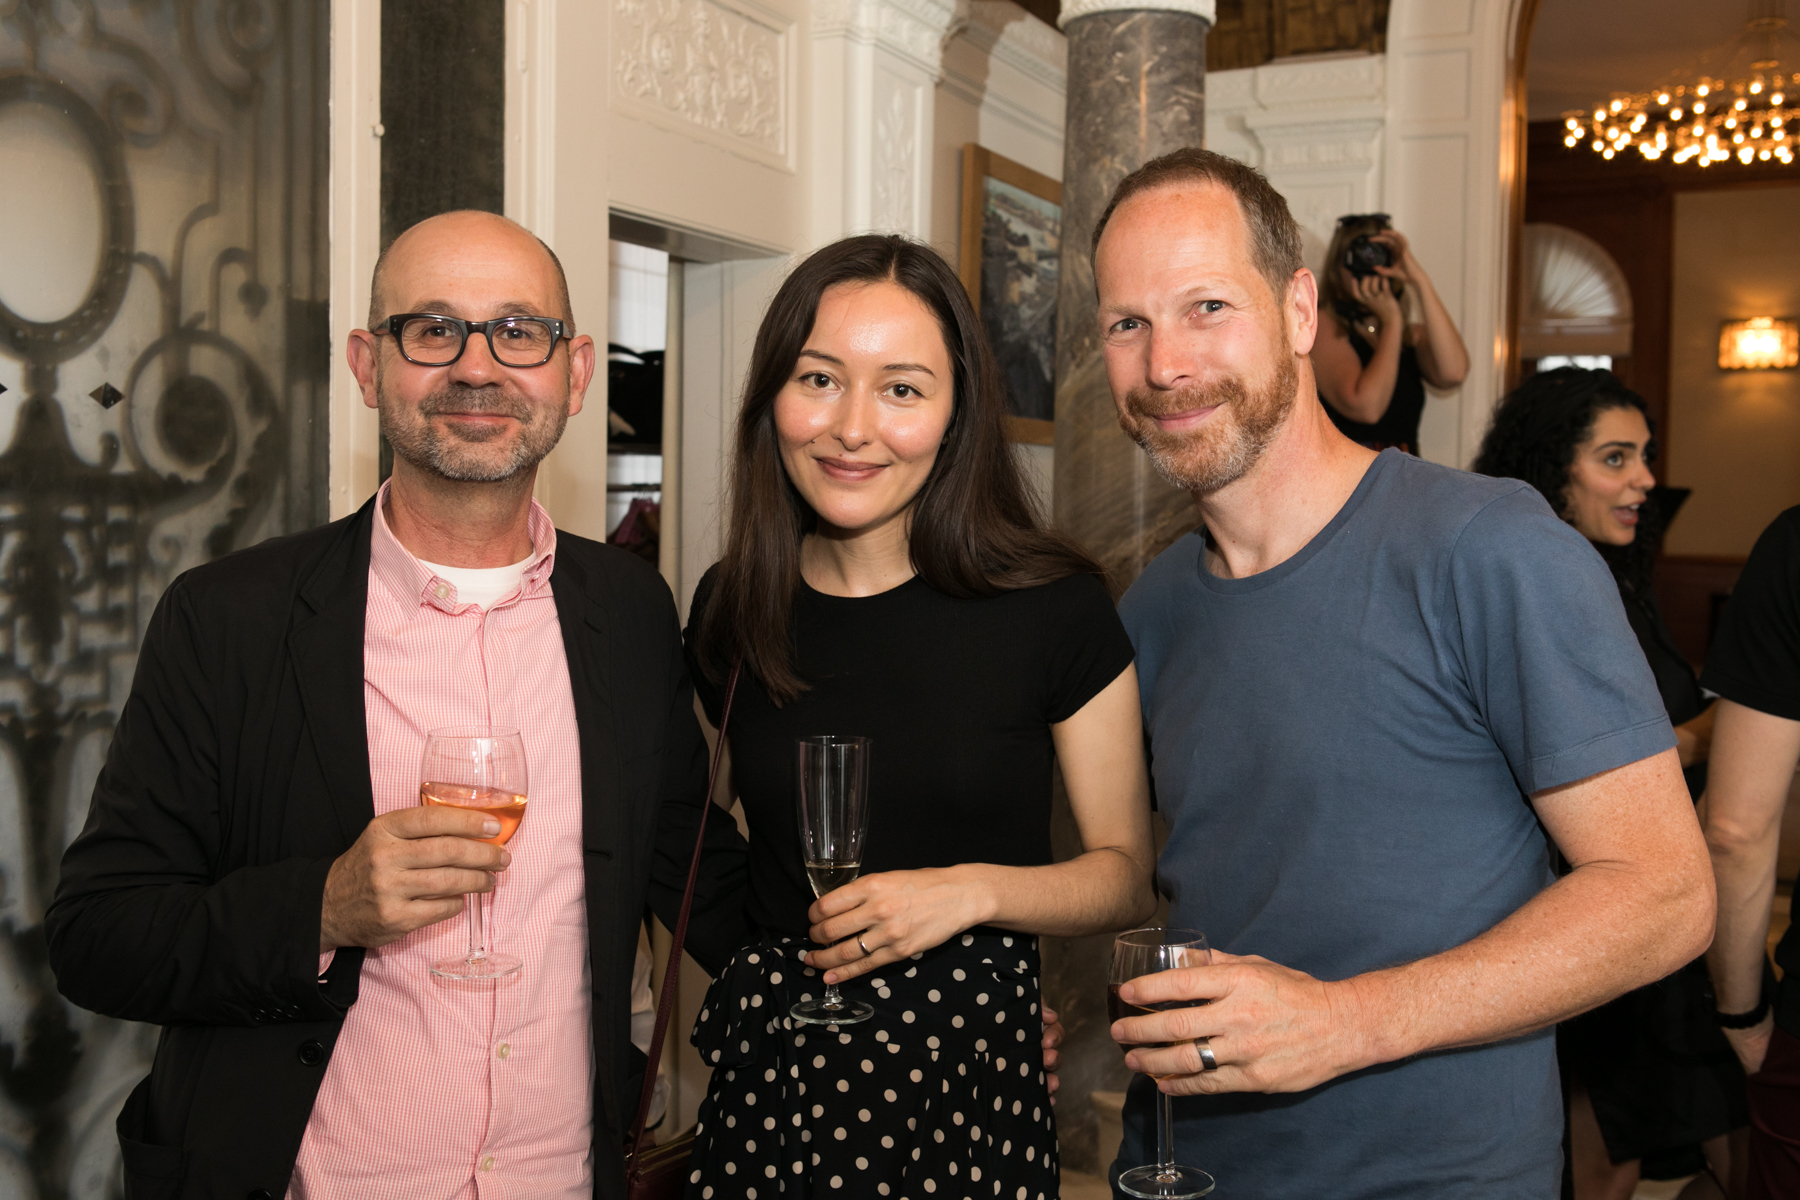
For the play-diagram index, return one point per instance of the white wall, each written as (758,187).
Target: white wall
(1448,175)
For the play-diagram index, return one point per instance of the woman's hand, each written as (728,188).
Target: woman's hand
(1443,359)
(1375,295)
(1752,1045)
(1404,266)
(896,914)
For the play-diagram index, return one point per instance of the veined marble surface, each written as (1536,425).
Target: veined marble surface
(1136,91)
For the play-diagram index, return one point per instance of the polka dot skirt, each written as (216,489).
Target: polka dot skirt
(939,1095)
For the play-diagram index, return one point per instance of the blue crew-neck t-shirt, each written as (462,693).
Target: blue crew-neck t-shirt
(1344,746)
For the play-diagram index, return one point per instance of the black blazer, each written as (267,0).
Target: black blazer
(239,771)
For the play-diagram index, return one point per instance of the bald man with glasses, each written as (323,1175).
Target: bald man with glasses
(257,875)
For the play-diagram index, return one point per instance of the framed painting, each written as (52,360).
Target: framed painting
(1011,249)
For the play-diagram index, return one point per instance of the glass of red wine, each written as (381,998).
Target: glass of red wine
(1146,952)
(482,769)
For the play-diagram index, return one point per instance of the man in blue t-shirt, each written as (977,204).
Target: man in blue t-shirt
(1372,686)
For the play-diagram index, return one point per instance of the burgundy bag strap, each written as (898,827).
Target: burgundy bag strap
(666,1000)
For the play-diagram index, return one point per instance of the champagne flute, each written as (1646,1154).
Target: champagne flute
(482,769)
(1146,952)
(833,794)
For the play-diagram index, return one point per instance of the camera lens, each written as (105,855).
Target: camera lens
(1363,255)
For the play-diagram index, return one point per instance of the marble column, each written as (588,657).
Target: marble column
(1136,76)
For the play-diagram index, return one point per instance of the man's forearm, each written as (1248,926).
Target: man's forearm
(1595,934)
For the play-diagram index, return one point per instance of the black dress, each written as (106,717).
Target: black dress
(943,1090)
(1399,425)
(1661,1075)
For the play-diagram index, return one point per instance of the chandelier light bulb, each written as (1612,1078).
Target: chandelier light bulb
(1677,119)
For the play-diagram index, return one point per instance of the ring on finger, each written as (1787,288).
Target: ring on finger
(1207,1061)
(860,946)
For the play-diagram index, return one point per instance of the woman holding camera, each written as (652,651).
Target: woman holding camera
(1371,364)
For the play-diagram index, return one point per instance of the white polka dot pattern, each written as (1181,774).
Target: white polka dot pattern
(940,1113)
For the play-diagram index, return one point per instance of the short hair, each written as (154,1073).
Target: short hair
(1275,244)
(562,278)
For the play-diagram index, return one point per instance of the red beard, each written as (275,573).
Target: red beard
(1228,443)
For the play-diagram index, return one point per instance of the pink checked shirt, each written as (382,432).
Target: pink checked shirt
(453,1091)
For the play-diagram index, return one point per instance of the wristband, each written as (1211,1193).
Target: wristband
(1744,1020)
(1747,1020)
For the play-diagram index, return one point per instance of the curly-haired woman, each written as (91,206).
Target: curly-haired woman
(1650,1074)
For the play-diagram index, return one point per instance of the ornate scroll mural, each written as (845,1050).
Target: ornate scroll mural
(163,355)
(704,68)
(896,149)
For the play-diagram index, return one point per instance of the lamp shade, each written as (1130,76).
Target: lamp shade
(1759,344)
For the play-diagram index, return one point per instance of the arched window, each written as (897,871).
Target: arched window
(1575,297)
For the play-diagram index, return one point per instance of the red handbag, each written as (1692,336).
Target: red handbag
(660,1172)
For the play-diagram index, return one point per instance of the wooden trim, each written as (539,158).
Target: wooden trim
(978,164)
(968,255)
(1031,429)
(1703,560)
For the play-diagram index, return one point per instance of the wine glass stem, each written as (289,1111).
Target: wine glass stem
(477,936)
(1165,1130)
(832,999)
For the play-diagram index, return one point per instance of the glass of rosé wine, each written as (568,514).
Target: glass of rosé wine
(482,769)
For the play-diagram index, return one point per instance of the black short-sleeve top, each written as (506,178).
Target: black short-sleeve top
(958,696)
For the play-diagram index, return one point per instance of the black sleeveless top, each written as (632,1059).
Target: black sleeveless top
(1399,425)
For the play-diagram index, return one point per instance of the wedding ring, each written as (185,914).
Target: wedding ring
(1207,1061)
(860,946)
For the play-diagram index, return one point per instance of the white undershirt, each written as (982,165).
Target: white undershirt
(481,585)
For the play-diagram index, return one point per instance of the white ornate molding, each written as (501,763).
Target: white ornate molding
(720,70)
(1206,10)
(1320,79)
(875,69)
(894,202)
(1005,31)
(1315,126)
(916,30)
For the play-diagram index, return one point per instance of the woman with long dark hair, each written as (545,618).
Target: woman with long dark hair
(885,575)
(1650,1075)
(1371,362)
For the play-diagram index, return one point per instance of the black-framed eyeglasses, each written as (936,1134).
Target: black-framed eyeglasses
(433,340)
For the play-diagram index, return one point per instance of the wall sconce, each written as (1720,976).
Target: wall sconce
(1759,344)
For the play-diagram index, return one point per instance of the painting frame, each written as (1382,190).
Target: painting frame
(979,165)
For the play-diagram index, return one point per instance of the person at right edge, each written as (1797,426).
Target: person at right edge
(1371,364)
(1754,666)
(1377,691)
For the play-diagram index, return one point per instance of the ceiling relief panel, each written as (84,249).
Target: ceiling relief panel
(723,73)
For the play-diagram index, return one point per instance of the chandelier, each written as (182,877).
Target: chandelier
(1736,102)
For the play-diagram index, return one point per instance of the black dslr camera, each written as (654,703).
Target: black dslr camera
(1363,255)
